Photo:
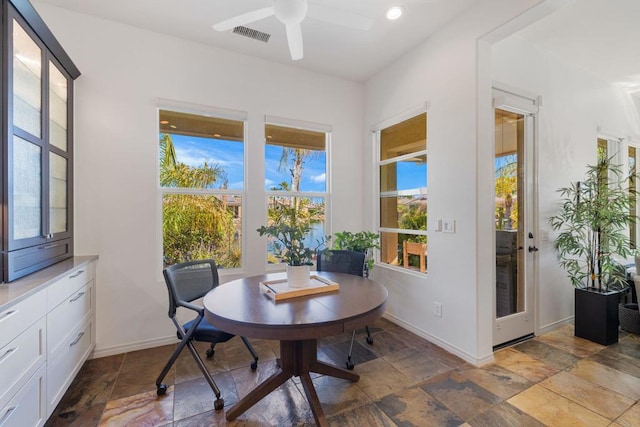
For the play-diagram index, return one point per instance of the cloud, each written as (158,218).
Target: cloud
(319,178)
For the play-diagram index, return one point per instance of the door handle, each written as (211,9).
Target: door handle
(533,248)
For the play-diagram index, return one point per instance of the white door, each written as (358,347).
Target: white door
(515,219)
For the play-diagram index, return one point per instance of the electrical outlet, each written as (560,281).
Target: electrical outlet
(437,309)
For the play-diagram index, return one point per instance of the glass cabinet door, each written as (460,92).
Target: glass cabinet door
(27,82)
(58,183)
(27,194)
(58,93)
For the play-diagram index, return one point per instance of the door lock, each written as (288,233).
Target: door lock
(533,248)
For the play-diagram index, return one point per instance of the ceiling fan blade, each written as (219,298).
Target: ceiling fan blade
(339,17)
(294,37)
(245,18)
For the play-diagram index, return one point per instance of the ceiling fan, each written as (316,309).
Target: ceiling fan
(291,13)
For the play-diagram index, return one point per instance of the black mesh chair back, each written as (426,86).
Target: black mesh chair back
(187,282)
(340,261)
(349,262)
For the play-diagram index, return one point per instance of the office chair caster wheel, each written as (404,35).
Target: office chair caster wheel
(162,390)
(369,340)
(350,365)
(210,352)
(254,365)
(218,404)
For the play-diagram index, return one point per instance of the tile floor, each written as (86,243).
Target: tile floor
(554,380)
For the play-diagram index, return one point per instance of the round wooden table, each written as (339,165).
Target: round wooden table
(241,308)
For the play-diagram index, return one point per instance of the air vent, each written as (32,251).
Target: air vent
(252,34)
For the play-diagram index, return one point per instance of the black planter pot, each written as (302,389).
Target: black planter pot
(596,315)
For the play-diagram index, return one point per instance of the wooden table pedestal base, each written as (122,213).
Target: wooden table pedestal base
(297,359)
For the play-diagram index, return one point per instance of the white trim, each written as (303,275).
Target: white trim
(512,102)
(440,343)
(126,348)
(608,134)
(634,140)
(202,110)
(402,158)
(555,325)
(403,231)
(401,117)
(297,124)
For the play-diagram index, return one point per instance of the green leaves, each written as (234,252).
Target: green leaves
(593,216)
(289,244)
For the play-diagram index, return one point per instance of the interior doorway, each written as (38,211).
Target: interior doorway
(515,217)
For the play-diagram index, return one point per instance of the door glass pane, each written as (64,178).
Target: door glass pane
(27,197)
(509,143)
(27,75)
(57,108)
(57,193)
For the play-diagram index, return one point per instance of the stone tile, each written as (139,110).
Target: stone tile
(618,362)
(337,395)
(386,343)
(496,380)
(196,396)
(87,391)
(504,415)
(246,380)
(187,369)
(367,415)
(564,339)
(150,356)
(414,406)
(416,364)
(548,354)
(285,406)
(461,395)
(141,410)
(590,395)
(102,365)
(631,418)
(208,419)
(628,347)
(140,380)
(379,378)
(238,356)
(86,416)
(554,410)
(524,365)
(610,378)
(338,353)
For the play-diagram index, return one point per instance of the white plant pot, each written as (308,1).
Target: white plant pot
(298,276)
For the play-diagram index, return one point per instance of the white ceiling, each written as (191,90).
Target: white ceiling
(602,36)
(329,49)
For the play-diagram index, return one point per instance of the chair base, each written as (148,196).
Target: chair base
(349,364)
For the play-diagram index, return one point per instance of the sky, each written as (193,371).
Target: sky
(194,151)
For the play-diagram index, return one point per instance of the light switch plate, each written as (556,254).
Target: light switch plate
(448,226)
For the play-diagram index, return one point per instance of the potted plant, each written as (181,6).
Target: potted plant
(362,241)
(591,223)
(290,248)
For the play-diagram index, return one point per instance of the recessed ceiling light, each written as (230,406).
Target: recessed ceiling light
(164,122)
(394,12)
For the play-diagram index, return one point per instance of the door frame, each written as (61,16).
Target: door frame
(521,324)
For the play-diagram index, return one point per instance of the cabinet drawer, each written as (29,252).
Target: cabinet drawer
(17,318)
(68,285)
(20,359)
(21,262)
(67,362)
(27,408)
(67,316)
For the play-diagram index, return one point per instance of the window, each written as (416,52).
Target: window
(633,205)
(201,170)
(402,165)
(296,178)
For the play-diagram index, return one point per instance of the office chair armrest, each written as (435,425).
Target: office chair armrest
(190,306)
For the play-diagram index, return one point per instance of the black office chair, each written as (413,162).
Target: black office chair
(187,282)
(349,262)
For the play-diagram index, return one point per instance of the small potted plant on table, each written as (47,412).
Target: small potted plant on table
(592,220)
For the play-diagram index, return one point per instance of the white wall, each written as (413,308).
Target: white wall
(124,71)
(443,71)
(575,104)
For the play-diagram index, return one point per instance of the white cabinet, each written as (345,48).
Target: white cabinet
(44,340)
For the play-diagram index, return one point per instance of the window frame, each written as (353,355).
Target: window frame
(634,142)
(326,195)
(205,111)
(376,131)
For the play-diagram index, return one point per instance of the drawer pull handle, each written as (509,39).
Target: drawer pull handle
(7,354)
(77,297)
(6,314)
(77,340)
(48,246)
(73,276)
(8,413)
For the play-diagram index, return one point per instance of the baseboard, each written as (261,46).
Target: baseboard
(443,344)
(125,348)
(555,325)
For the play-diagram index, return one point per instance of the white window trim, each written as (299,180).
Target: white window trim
(209,111)
(375,129)
(312,126)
